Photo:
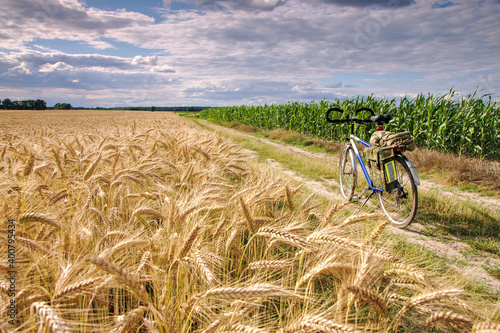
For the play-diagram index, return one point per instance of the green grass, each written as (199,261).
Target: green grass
(438,265)
(310,167)
(478,226)
(493,271)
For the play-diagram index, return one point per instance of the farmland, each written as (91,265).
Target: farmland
(470,125)
(134,221)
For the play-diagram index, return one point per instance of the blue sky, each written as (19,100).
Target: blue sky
(232,52)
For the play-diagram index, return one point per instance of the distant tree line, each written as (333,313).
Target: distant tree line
(62,106)
(28,104)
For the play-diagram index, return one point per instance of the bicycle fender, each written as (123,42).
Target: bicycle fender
(412,169)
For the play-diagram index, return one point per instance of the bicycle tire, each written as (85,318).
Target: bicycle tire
(400,205)
(347,172)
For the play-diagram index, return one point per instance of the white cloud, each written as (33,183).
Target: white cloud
(58,66)
(162,69)
(100,45)
(148,60)
(63,19)
(259,55)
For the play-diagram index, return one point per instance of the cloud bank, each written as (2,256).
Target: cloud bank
(240,52)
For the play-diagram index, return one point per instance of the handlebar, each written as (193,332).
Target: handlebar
(379,119)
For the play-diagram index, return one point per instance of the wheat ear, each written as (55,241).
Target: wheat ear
(237,293)
(313,323)
(147,211)
(49,318)
(30,164)
(486,327)
(42,218)
(246,213)
(361,217)
(242,328)
(283,236)
(120,275)
(90,170)
(269,264)
(428,297)
(335,208)
(376,231)
(370,297)
(449,318)
(74,290)
(289,198)
(128,320)
(189,241)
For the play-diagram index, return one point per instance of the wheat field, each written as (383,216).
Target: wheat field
(142,222)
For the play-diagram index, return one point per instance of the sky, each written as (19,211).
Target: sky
(109,53)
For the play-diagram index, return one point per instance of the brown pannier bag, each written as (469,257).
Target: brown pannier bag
(393,140)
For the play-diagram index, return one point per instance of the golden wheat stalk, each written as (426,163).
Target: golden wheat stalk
(188,243)
(74,290)
(269,264)
(30,164)
(241,293)
(58,196)
(370,297)
(422,299)
(335,208)
(486,327)
(303,206)
(405,274)
(242,328)
(283,236)
(449,318)
(121,276)
(332,239)
(246,214)
(361,217)
(127,321)
(315,323)
(148,211)
(145,260)
(58,162)
(41,218)
(289,198)
(49,318)
(325,267)
(201,266)
(379,228)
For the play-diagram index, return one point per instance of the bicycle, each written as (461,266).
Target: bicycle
(391,168)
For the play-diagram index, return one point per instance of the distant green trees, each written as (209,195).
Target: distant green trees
(62,106)
(28,104)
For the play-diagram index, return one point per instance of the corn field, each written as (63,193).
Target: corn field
(470,125)
(141,222)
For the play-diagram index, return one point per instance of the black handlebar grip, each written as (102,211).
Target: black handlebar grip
(328,115)
(365,109)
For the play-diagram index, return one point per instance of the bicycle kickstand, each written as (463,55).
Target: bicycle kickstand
(364,202)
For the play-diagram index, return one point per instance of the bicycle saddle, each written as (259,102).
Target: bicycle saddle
(381,118)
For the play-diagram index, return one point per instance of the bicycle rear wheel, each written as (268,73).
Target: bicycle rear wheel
(400,205)
(347,172)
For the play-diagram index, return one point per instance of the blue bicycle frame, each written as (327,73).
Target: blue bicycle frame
(361,163)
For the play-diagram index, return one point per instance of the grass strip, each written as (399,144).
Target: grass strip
(313,168)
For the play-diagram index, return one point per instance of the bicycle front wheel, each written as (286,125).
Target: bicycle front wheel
(400,204)
(347,172)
